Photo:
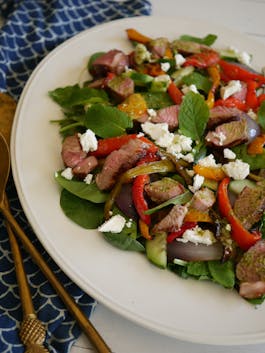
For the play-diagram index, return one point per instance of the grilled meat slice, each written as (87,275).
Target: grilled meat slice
(164,189)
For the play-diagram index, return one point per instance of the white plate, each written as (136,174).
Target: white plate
(124,281)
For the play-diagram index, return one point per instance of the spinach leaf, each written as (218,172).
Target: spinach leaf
(92,58)
(193,116)
(157,100)
(107,121)
(198,269)
(201,82)
(262,226)
(261,115)
(200,151)
(177,200)
(255,161)
(71,96)
(84,191)
(85,213)
(222,273)
(256,301)
(209,39)
(123,241)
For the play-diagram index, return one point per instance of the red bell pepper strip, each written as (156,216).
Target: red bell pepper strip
(202,60)
(175,93)
(173,235)
(251,97)
(108,145)
(235,72)
(261,98)
(241,236)
(231,102)
(138,185)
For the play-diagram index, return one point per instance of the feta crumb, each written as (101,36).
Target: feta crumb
(231,88)
(88,141)
(114,225)
(197,183)
(189,157)
(140,134)
(237,170)
(228,227)
(129,223)
(191,88)
(244,58)
(67,173)
(159,133)
(165,66)
(141,54)
(190,172)
(151,112)
(209,161)
(88,179)
(229,154)
(180,143)
(198,235)
(220,136)
(180,60)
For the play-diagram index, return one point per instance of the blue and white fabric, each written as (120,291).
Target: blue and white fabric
(30,30)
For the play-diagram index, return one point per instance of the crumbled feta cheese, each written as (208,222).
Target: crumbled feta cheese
(162,78)
(232,87)
(190,172)
(88,179)
(165,66)
(228,227)
(67,173)
(189,157)
(229,154)
(114,225)
(191,88)
(140,134)
(209,161)
(151,112)
(242,56)
(198,235)
(220,136)
(180,60)
(237,170)
(180,143)
(88,141)
(129,223)
(141,54)
(197,183)
(158,132)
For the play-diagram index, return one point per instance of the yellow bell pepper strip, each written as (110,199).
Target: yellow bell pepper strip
(134,105)
(162,166)
(194,215)
(239,234)
(136,36)
(214,73)
(202,60)
(153,69)
(230,71)
(144,230)
(175,93)
(213,173)
(256,146)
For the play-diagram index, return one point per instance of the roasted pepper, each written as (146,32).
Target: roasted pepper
(174,93)
(256,146)
(173,235)
(215,76)
(136,36)
(241,236)
(202,60)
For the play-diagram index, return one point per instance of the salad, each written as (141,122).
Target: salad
(163,153)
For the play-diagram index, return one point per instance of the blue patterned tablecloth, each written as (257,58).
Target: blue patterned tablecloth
(31,29)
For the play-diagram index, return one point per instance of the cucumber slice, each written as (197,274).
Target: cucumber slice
(156,250)
(236,186)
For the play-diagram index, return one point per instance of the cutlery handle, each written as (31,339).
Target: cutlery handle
(73,308)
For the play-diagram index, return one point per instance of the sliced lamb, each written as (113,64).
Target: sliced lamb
(167,115)
(187,47)
(113,61)
(120,87)
(251,266)
(72,152)
(119,161)
(203,199)
(250,205)
(172,221)
(251,271)
(158,47)
(164,189)
(220,115)
(85,166)
(228,134)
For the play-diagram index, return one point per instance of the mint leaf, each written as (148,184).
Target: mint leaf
(209,39)
(193,116)
(261,115)
(107,121)
(201,82)
(71,96)
(84,191)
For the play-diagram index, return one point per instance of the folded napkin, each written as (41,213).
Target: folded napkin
(31,29)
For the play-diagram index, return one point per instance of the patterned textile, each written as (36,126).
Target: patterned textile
(31,29)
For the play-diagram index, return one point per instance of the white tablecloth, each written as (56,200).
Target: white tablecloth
(123,336)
